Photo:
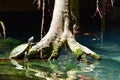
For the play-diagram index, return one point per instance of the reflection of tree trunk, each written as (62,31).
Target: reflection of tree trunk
(59,34)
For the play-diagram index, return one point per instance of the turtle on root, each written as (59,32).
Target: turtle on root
(20,52)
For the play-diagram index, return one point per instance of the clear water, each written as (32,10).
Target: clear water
(67,67)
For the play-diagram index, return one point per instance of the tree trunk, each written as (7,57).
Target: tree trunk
(65,15)
(60,34)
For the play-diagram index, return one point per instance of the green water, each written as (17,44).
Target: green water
(66,67)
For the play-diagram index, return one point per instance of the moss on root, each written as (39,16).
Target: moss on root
(96,56)
(78,53)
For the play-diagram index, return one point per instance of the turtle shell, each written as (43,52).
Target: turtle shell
(18,52)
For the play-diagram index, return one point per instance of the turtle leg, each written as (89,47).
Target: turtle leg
(25,59)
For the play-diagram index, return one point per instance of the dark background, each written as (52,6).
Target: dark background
(22,19)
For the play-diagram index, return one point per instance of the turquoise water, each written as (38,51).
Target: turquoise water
(67,67)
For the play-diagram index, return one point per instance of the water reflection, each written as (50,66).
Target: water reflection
(52,71)
(65,68)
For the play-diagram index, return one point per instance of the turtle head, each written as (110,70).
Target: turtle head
(30,40)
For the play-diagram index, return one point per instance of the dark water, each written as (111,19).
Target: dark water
(67,67)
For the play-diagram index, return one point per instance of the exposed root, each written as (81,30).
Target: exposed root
(60,34)
(42,24)
(3,33)
(38,3)
(78,49)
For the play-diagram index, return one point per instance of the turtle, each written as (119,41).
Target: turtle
(21,51)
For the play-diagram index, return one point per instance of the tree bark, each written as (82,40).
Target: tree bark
(60,34)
